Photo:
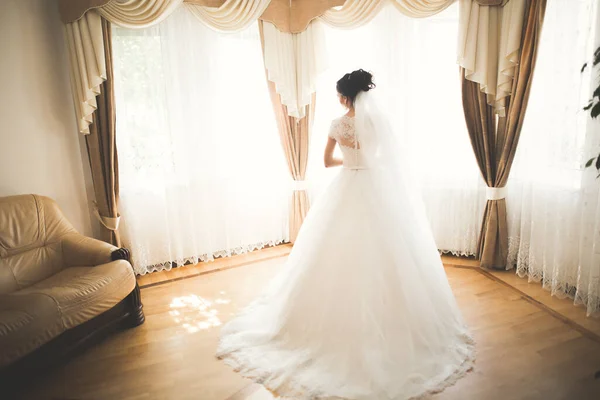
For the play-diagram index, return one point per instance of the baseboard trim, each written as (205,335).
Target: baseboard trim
(210,271)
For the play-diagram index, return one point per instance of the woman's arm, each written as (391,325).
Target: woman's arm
(330,160)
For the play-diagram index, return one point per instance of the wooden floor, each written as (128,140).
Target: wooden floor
(526,349)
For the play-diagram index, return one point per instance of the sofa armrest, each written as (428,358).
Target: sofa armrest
(121,254)
(79,250)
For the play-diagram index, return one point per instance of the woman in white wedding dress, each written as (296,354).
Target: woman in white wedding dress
(362,309)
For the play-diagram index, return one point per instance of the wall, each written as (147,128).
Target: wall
(40,149)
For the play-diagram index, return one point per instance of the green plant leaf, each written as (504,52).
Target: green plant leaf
(596,110)
(597,92)
(583,67)
(597,57)
(590,161)
(598,162)
(591,103)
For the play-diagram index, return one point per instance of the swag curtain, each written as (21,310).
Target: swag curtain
(85,46)
(353,14)
(232,16)
(290,64)
(360,12)
(495,141)
(102,151)
(293,62)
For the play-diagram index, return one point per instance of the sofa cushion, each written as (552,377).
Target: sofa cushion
(30,240)
(83,293)
(31,266)
(26,322)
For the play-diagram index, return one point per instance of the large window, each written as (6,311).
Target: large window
(414,63)
(201,167)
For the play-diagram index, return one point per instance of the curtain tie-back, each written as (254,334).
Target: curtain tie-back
(495,193)
(109,223)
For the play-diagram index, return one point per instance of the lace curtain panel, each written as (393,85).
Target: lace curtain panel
(553,202)
(202,172)
(414,63)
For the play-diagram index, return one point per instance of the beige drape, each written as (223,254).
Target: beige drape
(102,151)
(494,139)
(294,134)
(489,41)
(295,140)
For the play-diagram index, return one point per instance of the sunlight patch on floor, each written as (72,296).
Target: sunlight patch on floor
(195,313)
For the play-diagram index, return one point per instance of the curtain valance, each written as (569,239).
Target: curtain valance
(489,37)
(353,13)
(294,16)
(138,13)
(421,8)
(72,10)
(232,16)
(360,12)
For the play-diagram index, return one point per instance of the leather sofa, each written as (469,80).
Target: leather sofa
(59,290)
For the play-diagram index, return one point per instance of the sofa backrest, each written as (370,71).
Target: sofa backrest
(31,228)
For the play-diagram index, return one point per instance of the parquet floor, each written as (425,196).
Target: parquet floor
(526,350)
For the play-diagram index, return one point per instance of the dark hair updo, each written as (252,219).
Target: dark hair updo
(355,82)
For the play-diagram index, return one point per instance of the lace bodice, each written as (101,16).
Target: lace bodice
(342,131)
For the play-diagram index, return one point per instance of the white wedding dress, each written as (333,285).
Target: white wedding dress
(362,309)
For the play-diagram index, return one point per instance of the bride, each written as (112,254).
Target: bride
(362,309)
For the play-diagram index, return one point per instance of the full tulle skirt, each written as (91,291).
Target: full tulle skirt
(362,308)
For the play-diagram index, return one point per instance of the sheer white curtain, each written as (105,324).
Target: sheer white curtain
(553,207)
(414,63)
(201,169)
